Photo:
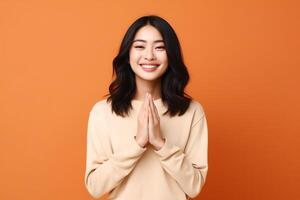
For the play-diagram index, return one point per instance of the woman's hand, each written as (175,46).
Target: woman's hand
(155,137)
(142,137)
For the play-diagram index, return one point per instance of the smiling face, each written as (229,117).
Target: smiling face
(147,56)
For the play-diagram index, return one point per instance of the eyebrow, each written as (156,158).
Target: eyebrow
(139,40)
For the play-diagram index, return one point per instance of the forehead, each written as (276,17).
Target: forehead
(148,33)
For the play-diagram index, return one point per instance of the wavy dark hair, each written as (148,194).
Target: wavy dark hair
(123,88)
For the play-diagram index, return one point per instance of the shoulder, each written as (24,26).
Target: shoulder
(196,106)
(197,109)
(100,107)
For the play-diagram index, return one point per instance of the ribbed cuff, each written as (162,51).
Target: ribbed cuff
(137,146)
(166,150)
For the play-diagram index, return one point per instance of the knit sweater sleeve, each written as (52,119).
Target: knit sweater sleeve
(188,167)
(104,172)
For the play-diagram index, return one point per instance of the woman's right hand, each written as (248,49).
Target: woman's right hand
(142,137)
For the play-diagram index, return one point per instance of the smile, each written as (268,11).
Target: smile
(149,68)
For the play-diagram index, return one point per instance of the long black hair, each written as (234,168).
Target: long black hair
(173,81)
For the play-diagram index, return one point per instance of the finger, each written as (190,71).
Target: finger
(145,108)
(155,117)
(151,110)
(145,101)
(156,112)
(151,106)
(142,108)
(147,113)
(150,116)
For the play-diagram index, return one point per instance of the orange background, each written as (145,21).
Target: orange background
(243,58)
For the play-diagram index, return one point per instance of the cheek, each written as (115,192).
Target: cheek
(134,56)
(163,57)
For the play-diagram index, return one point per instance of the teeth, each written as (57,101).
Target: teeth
(149,66)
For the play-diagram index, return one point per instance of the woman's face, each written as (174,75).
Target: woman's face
(147,55)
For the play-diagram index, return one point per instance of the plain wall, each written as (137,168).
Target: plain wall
(56,63)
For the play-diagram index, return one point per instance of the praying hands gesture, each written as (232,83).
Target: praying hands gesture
(148,130)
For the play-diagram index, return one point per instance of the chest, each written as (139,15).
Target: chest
(122,130)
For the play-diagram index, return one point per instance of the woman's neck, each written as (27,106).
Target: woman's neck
(144,86)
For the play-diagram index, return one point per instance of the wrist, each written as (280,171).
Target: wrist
(140,142)
(158,144)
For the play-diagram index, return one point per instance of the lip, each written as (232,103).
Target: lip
(149,69)
(156,64)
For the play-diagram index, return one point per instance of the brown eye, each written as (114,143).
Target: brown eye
(160,47)
(138,47)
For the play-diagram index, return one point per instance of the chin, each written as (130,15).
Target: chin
(148,78)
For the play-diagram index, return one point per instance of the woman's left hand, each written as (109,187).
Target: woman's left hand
(155,137)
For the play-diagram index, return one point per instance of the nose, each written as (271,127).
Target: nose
(149,55)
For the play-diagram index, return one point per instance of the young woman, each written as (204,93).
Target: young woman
(147,140)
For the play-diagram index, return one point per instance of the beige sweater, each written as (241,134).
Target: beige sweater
(117,165)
